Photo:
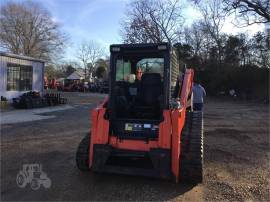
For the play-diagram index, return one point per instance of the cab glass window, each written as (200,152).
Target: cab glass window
(151,65)
(123,69)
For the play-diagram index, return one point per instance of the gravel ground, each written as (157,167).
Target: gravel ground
(237,151)
(236,158)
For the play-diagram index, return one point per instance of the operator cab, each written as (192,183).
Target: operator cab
(139,88)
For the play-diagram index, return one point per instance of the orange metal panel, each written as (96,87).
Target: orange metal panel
(100,129)
(178,118)
(164,138)
(165,131)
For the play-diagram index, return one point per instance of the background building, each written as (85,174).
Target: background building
(20,74)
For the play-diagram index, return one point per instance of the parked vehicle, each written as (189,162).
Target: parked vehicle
(103,87)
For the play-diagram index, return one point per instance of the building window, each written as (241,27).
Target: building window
(19,77)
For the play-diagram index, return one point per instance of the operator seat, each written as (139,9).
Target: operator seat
(150,89)
(149,94)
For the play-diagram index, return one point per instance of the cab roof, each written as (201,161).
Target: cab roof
(140,46)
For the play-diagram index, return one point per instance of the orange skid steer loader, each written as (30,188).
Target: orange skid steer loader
(142,128)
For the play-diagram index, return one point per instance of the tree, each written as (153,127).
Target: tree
(50,72)
(186,56)
(232,51)
(88,53)
(100,71)
(27,28)
(54,71)
(152,21)
(195,36)
(73,63)
(101,68)
(249,11)
(69,70)
(260,51)
(214,18)
(184,51)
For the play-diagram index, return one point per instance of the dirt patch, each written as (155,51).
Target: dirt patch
(236,152)
(231,134)
(236,158)
(222,156)
(224,191)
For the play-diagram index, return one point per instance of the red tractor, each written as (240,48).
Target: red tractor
(142,128)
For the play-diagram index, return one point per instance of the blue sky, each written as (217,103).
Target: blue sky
(84,20)
(99,20)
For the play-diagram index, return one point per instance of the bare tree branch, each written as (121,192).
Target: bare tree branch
(246,12)
(88,53)
(28,29)
(214,19)
(152,21)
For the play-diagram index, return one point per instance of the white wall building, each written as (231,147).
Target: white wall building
(20,74)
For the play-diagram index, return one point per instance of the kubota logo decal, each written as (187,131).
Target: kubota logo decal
(32,174)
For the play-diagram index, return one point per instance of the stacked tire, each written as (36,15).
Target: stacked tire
(191,158)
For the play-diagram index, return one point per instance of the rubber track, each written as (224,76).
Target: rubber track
(191,157)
